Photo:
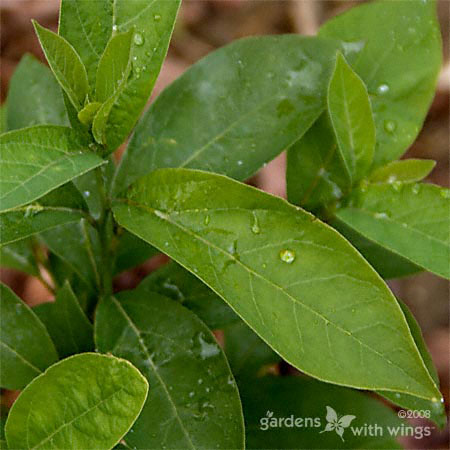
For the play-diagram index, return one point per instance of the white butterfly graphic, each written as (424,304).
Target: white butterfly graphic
(337,424)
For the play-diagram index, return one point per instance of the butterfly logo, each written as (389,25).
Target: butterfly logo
(337,424)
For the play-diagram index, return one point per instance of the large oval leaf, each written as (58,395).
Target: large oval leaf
(38,159)
(302,287)
(234,110)
(85,401)
(193,401)
(26,347)
(409,219)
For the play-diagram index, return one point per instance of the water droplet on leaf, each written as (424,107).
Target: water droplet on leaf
(138,39)
(382,89)
(287,256)
(157,17)
(390,126)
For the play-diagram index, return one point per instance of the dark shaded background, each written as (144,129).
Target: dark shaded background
(204,25)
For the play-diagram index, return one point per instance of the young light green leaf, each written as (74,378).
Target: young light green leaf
(85,401)
(114,65)
(269,399)
(351,117)
(87,114)
(194,401)
(34,96)
(66,323)
(177,283)
(65,64)
(406,170)
(153,24)
(290,277)
(400,69)
(435,408)
(38,159)
(26,347)
(87,26)
(409,219)
(316,174)
(19,256)
(248,110)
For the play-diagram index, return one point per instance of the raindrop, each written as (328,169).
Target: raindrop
(86,193)
(381,215)
(114,27)
(138,39)
(199,381)
(255,227)
(240,162)
(390,126)
(416,188)
(191,394)
(383,89)
(157,17)
(287,256)
(207,349)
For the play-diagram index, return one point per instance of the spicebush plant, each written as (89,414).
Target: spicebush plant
(302,281)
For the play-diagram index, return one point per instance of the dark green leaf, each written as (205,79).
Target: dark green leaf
(234,110)
(85,401)
(193,400)
(65,64)
(302,287)
(177,283)
(34,96)
(269,399)
(406,170)
(66,323)
(409,219)
(38,159)
(19,256)
(399,61)
(351,116)
(26,347)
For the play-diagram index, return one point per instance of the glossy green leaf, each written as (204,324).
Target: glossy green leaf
(65,64)
(247,108)
(85,249)
(177,283)
(26,347)
(409,219)
(19,256)
(85,401)
(406,170)
(296,282)
(316,174)
(66,323)
(87,114)
(38,159)
(399,61)
(114,65)
(436,408)
(246,352)
(152,23)
(351,117)
(193,401)
(388,264)
(268,400)
(87,26)
(34,96)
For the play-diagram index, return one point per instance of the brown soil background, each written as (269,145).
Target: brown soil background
(204,25)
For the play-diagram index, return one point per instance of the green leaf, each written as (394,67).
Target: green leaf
(270,399)
(406,170)
(408,219)
(87,114)
(399,61)
(388,264)
(246,108)
(152,23)
(3,118)
(34,96)
(351,117)
(65,64)
(246,352)
(84,257)
(296,282)
(114,66)
(316,174)
(38,159)
(66,323)
(85,401)
(435,408)
(19,256)
(177,283)
(193,401)
(26,347)
(87,26)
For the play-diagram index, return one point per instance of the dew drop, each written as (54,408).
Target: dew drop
(382,89)
(138,39)
(191,394)
(87,193)
(390,126)
(287,256)
(114,27)
(381,215)
(240,162)
(157,17)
